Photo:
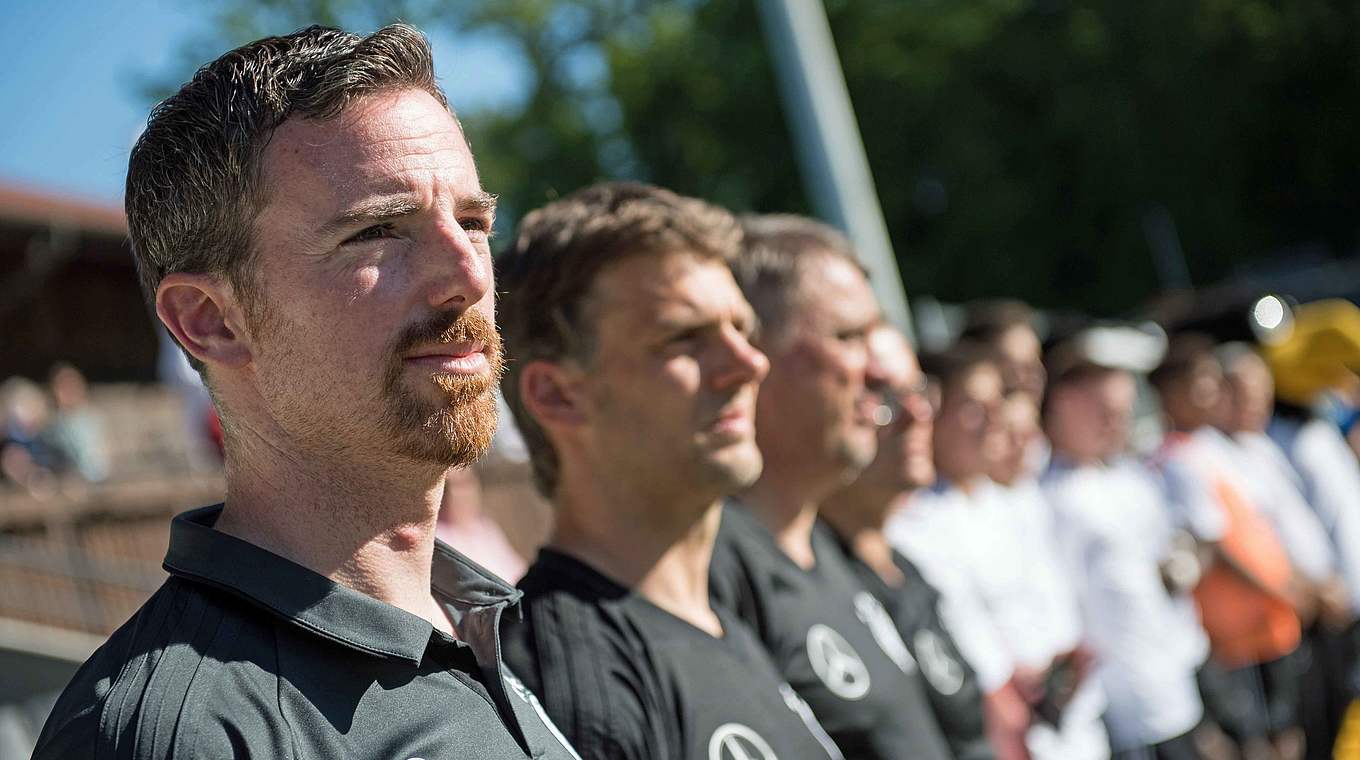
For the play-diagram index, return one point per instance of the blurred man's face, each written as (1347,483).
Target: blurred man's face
(1020,426)
(1091,417)
(969,436)
(1194,399)
(671,383)
(1251,395)
(1114,395)
(905,459)
(1022,361)
(814,408)
(377,335)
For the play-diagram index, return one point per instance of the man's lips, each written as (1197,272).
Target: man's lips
(865,407)
(734,421)
(452,358)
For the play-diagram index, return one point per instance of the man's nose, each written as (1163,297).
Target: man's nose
(457,271)
(742,362)
(876,378)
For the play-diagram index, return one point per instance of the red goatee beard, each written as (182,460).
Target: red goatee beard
(458,430)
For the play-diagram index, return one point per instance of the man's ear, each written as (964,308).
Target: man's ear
(202,312)
(552,393)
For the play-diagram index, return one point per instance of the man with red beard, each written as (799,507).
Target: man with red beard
(309,225)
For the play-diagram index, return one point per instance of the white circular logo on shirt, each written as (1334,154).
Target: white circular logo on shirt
(837,663)
(733,741)
(943,671)
(871,613)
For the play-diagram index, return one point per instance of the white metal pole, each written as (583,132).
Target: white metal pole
(831,154)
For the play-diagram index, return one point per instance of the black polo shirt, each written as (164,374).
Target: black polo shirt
(626,680)
(831,640)
(952,686)
(242,653)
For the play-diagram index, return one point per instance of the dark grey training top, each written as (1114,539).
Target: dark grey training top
(830,638)
(626,680)
(242,653)
(955,695)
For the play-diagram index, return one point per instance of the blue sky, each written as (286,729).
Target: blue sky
(70,99)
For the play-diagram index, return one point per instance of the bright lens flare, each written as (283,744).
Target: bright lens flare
(1269,312)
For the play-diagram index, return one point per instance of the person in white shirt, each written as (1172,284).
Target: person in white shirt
(1114,534)
(973,540)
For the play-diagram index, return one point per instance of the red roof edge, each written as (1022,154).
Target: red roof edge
(23,204)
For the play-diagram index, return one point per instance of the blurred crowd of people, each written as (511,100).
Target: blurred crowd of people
(1192,599)
(51,431)
(1139,550)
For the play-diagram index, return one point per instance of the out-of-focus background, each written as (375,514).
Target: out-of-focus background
(1160,160)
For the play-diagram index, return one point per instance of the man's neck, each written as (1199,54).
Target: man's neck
(1074,458)
(367,526)
(788,509)
(964,481)
(857,516)
(659,545)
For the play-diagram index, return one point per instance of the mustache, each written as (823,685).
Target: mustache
(470,326)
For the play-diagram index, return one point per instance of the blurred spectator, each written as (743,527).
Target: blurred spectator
(1312,363)
(857,513)
(465,526)
(1309,366)
(1007,327)
(978,539)
(1115,534)
(75,432)
(27,459)
(1250,683)
(1273,486)
(1020,422)
(200,415)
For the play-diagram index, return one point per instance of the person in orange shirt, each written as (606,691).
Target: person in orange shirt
(1250,680)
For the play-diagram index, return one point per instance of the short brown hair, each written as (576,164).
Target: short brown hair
(775,249)
(1185,352)
(546,279)
(193,185)
(988,320)
(952,366)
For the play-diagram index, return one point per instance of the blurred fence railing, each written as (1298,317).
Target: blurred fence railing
(81,556)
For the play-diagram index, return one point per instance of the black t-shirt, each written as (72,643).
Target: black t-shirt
(951,683)
(831,640)
(626,680)
(242,653)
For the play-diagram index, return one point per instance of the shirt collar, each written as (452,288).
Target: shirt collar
(311,601)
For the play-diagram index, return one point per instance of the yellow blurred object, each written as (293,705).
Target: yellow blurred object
(1320,352)
(1347,745)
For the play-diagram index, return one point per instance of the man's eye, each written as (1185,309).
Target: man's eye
(477,225)
(376,232)
(682,339)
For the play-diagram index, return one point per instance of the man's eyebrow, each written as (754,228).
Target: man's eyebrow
(480,201)
(370,211)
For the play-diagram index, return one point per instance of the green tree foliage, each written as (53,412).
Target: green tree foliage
(1016,144)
